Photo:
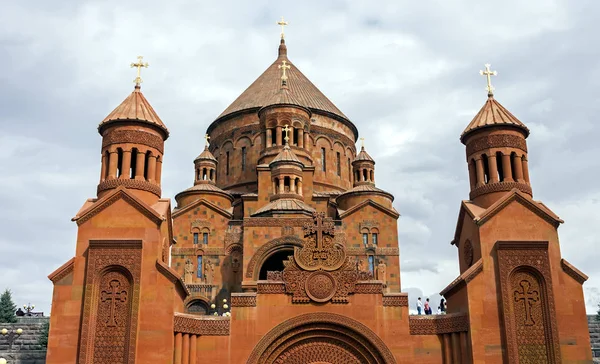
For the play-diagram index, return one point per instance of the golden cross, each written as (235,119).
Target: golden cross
(286,130)
(284,66)
(207,138)
(282,23)
(488,73)
(139,66)
(362,143)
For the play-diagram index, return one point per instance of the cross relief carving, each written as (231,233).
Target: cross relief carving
(320,250)
(115,295)
(528,297)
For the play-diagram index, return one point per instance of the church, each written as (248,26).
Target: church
(284,250)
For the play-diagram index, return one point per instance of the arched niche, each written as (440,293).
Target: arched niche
(268,249)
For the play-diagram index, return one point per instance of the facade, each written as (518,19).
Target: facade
(285,251)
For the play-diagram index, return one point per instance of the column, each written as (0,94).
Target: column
(447,352)
(465,356)
(125,168)
(518,168)
(479,170)
(274,187)
(103,168)
(472,175)
(185,349)
(281,184)
(455,348)
(301,138)
(112,164)
(291,136)
(193,348)
(306,141)
(140,165)
(278,136)
(506,168)
(525,169)
(292,185)
(300,187)
(177,351)
(269,138)
(158,170)
(151,168)
(493,166)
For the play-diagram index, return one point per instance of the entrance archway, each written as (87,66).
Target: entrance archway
(321,337)
(274,262)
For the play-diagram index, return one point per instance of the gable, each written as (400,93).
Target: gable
(205,203)
(370,204)
(121,214)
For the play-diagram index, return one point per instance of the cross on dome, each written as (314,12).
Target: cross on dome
(207,138)
(139,64)
(488,73)
(286,129)
(282,23)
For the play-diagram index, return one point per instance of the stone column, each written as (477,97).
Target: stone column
(126,165)
(177,351)
(281,184)
(479,169)
(301,138)
(158,171)
(508,177)
(151,168)
(274,187)
(464,346)
(291,136)
(193,348)
(113,158)
(493,166)
(140,165)
(455,348)
(518,163)
(306,141)
(269,138)
(292,185)
(447,349)
(185,349)
(525,169)
(300,187)
(472,175)
(278,136)
(103,168)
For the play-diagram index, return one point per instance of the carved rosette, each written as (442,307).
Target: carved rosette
(320,286)
(320,251)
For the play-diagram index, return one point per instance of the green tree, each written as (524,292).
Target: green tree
(7,308)
(43,339)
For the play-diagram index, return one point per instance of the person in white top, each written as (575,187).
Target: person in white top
(419,306)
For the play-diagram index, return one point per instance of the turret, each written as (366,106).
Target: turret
(205,166)
(496,151)
(363,168)
(133,139)
(286,173)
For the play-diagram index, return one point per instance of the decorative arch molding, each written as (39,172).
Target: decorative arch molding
(321,337)
(199,301)
(238,141)
(267,250)
(330,143)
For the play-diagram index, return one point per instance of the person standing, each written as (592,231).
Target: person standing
(443,305)
(427,307)
(419,306)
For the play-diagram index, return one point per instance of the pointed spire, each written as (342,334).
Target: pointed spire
(282,52)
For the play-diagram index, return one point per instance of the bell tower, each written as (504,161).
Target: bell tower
(496,151)
(133,137)
(363,167)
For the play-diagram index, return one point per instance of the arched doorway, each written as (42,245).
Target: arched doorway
(274,262)
(321,337)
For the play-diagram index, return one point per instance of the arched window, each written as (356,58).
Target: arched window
(204,174)
(243,158)
(364,174)
(274,263)
(227,163)
(473,172)
(499,166)
(323,161)
(134,153)
(273,136)
(199,267)
(286,184)
(349,170)
(119,162)
(195,238)
(338,165)
(197,307)
(295,137)
(486,169)
(371,262)
(146,160)
(106,164)
(212,174)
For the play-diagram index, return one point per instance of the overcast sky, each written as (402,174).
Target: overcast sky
(405,72)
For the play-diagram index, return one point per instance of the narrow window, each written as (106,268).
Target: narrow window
(106,160)
(486,169)
(134,153)
(227,164)
(374,237)
(371,264)
(339,164)
(513,166)
(199,271)
(119,162)
(204,174)
(243,158)
(295,136)
(273,136)
(286,184)
(147,159)
(349,170)
(499,166)
(365,239)
(371,175)
(195,238)
(323,164)
(205,238)
(357,179)
(364,174)
(212,174)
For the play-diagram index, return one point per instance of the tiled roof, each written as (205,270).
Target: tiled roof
(135,107)
(206,155)
(493,114)
(205,187)
(363,156)
(285,204)
(368,188)
(268,84)
(286,155)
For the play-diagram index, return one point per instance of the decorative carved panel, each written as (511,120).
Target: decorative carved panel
(528,302)
(202,325)
(320,251)
(200,223)
(438,324)
(111,302)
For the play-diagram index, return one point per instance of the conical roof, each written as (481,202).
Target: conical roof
(261,91)
(363,156)
(135,107)
(284,97)
(493,114)
(206,155)
(286,156)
